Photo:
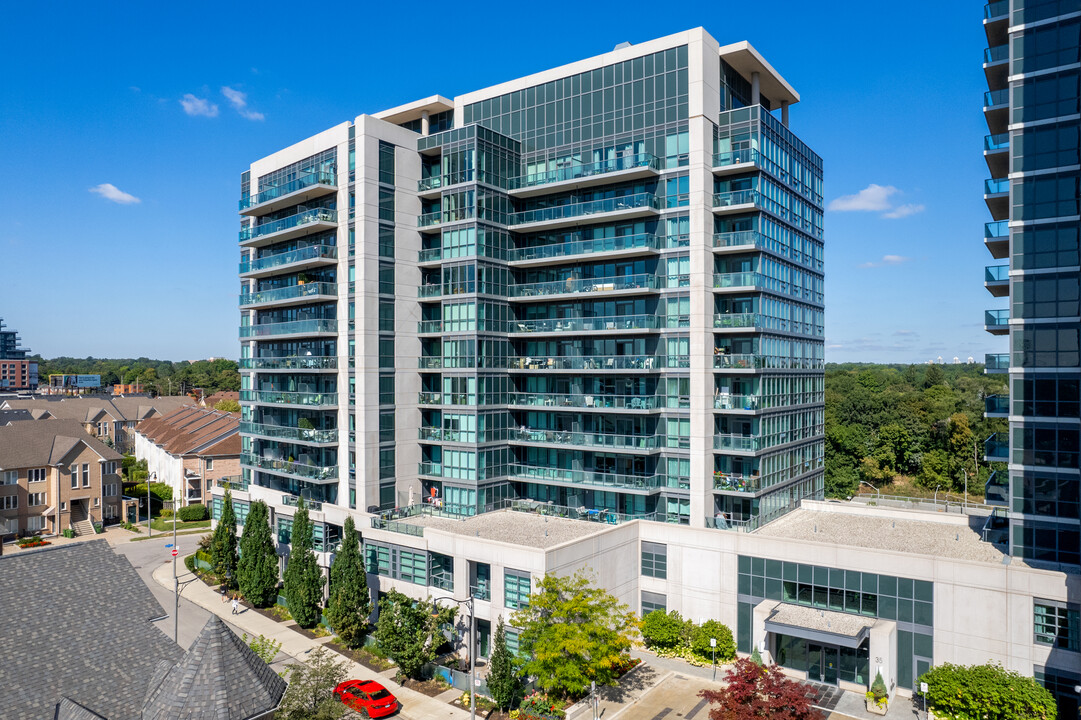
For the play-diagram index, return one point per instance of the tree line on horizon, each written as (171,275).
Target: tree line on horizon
(923,422)
(158,377)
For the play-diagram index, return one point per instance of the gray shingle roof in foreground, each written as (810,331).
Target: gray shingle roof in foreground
(219,678)
(76,626)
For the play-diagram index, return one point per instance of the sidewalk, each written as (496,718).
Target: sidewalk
(415,705)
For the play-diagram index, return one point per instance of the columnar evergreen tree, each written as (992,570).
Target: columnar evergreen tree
(257,571)
(223,548)
(350,603)
(503,682)
(303,579)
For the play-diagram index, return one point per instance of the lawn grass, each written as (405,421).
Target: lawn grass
(169,534)
(162,525)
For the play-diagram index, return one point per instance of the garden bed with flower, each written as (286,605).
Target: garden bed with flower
(31,542)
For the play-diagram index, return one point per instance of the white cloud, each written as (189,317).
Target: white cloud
(195,106)
(886,260)
(903,211)
(873,198)
(114,194)
(239,101)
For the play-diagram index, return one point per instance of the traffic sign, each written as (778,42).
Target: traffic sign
(175,552)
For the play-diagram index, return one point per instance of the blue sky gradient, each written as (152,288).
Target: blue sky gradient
(92,96)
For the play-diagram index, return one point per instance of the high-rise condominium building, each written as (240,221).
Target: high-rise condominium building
(16,372)
(598,287)
(1033,66)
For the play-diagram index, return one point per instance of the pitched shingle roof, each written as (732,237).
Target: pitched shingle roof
(190,430)
(37,444)
(76,627)
(219,678)
(91,408)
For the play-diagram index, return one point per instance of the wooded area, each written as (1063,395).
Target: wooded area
(917,427)
(159,377)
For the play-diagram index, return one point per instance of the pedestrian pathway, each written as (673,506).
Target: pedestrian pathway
(415,705)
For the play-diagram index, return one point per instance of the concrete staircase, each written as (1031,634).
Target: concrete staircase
(80,523)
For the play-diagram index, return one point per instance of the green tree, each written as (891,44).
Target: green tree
(257,570)
(263,646)
(960,447)
(934,376)
(223,548)
(503,682)
(713,629)
(310,695)
(663,630)
(986,692)
(573,633)
(350,603)
(303,579)
(933,471)
(408,630)
(231,406)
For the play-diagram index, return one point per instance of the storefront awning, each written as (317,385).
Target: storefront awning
(821,626)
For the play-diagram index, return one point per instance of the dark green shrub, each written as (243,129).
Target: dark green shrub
(986,692)
(189,563)
(878,687)
(662,630)
(193,512)
(726,646)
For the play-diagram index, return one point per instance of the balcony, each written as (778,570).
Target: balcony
(734,161)
(996,193)
(589,478)
(593,211)
(996,363)
(737,321)
(996,406)
(727,482)
(996,63)
(996,278)
(627,284)
(432,290)
(737,443)
(434,185)
(616,441)
(735,201)
(292,261)
(441,217)
(996,152)
(994,11)
(429,327)
(738,281)
(294,501)
(278,432)
(997,448)
(396,526)
(232,483)
(621,323)
(274,397)
(292,362)
(290,329)
(631,167)
(303,223)
(627,245)
(593,401)
(728,361)
(430,469)
(580,362)
(997,322)
(996,22)
(435,362)
(728,401)
(996,237)
(996,491)
(308,292)
(304,188)
(739,241)
(291,469)
(996,110)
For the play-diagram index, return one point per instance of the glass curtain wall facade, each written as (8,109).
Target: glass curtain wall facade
(1033,65)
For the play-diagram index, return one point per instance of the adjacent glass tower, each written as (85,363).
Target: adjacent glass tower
(1032,109)
(599,288)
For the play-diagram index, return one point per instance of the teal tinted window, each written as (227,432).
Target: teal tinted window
(515,589)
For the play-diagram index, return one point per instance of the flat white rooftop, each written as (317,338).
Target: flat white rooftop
(515,528)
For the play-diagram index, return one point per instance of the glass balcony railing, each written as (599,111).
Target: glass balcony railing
(439,217)
(235,482)
(559,400)
(296,469)
(738,361)
(430,398)
(578,362)
(289,433)
(643,200)
(736,483)
(430,326)
(435,362)
(612,322)
(997,404)
(994,143)
(994,98)
(397,526)
(274,397)
(996,230)
(429,468)
(534,473)
(741,443)
(291,292)
(585,247)
(588,439)
(643,281)
(723,321)
(305,217)
(740,238)
(996,318)
(727,401)
(313,252)
(997,447)
(316,178)
(735,157)
(456,178)
(292,362)
(735,197)
(996,273)
(996,10)
(996,54)
(430,291)
(996,491)
(996,186)
(996,361)
(296,327)
(577,172)
(294,501)
(738,279)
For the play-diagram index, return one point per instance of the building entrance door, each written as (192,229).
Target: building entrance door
(814,662)
(829,665)
(822,663)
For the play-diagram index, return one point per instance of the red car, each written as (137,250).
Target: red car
(366,697)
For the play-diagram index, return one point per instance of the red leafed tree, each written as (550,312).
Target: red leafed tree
(753,691)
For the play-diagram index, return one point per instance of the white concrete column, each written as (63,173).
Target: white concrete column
(756,94)
(784,113)
(424,122)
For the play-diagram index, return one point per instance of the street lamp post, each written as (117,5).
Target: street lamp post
(472,652)
(878,493)
(713,647)
(149,530)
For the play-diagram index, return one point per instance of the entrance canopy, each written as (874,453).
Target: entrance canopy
(819,626)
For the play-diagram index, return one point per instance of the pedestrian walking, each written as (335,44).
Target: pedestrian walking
(236,603)
(224,593)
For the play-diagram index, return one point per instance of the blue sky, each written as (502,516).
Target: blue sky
(124,128)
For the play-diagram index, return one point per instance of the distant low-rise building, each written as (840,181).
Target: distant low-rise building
(189,449)
(16,371)
(55,476)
